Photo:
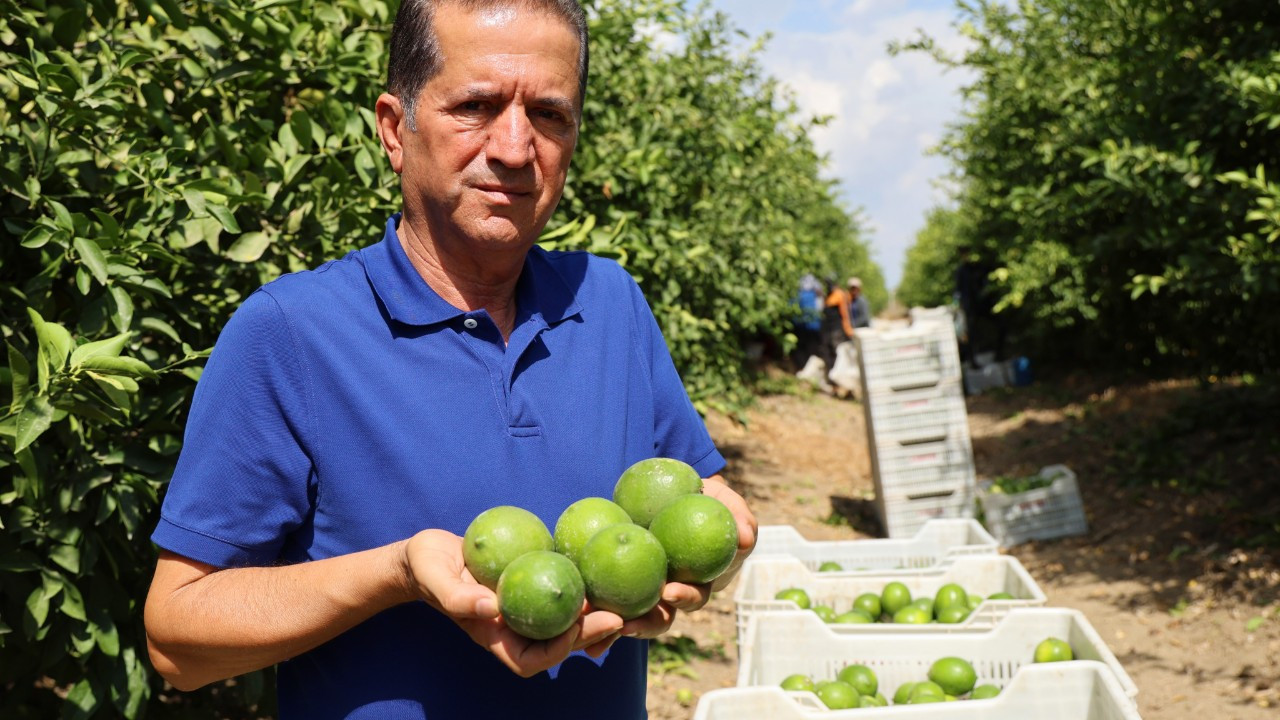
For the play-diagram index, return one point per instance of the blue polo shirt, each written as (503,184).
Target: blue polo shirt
(350,406)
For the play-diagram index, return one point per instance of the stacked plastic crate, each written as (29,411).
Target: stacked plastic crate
(921,456)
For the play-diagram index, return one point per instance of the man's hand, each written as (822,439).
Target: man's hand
(437,573)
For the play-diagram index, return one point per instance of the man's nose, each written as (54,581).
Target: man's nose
(511,137)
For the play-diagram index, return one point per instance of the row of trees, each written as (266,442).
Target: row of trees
(163,158)
(1117,164)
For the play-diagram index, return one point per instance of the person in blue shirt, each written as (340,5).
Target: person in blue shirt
(353,419)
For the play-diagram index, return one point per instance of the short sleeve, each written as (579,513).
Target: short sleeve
(679,431)
(243,479)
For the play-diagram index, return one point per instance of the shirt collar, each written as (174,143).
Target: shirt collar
(542,291)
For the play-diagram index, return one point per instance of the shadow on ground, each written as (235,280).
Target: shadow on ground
(1178,481)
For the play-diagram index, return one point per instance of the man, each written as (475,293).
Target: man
(354,419)
(859,308)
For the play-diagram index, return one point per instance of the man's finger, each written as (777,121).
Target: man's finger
(528,657)
(596,626)
(683,596)
(652,624)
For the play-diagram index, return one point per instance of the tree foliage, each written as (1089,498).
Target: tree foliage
(161,159)
(1117,162)
(928,276)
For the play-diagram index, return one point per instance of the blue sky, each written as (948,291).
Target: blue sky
(888,110)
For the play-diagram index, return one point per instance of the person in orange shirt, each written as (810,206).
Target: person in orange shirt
(836,327)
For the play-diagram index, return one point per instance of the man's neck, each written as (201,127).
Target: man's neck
(462,279)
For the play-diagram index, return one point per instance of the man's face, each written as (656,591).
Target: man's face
(496,126)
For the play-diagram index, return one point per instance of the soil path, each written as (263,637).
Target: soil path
(1196,626)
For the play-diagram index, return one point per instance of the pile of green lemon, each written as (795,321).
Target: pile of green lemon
(950,678)
(617,554)
(951,604)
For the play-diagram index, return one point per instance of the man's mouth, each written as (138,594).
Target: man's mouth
(504,194)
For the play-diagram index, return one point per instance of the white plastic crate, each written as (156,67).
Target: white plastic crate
(935,481)
(937,543)
(917,416)
(953,452)
(1081,690)
(903,514)
(784,643)
(978,574)
(1041,514)
(907,359)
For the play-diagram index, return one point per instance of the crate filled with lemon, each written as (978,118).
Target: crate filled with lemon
(1077,690)
(1042,506)
(972,592)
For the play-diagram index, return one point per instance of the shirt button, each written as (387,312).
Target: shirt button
(470,323)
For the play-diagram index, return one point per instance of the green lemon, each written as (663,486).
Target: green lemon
(912,615)
(982,692)
(825,613)
(868,603)
(881,700)
(926,692)
(540,594)
(903,693)
(1053,650)
(853,617)
(973,601)
(582,520)
(699,535)
(830,566)
(797,682)
(795,595)
(1001,596)
(837,695)
(925,604)
(954,675)
(950,595)
(953,614)
(499,535)
(624,568)
(862,678)
(894,597)
(647,486)
(866,701)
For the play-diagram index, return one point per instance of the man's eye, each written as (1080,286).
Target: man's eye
(553,115)
(472,106)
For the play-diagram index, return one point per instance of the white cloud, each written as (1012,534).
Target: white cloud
(888,110)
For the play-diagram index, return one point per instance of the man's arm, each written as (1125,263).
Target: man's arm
(205,624)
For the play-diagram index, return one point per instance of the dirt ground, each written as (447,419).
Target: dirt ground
(1192,615)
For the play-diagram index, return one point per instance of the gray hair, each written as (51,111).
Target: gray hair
(415,49)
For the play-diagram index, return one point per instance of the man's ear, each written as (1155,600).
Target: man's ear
(392,126)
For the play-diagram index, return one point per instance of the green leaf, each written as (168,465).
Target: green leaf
(249,247)
(38,605)
(123,316)
(82,698)
(160,326)
(195,202)
(1254,623)
(111,347)
(55,343)
(127,366)
(365,167)
(67,556)
(104,633)
(20,372)
(225,217)
(35,418)
(110,228)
